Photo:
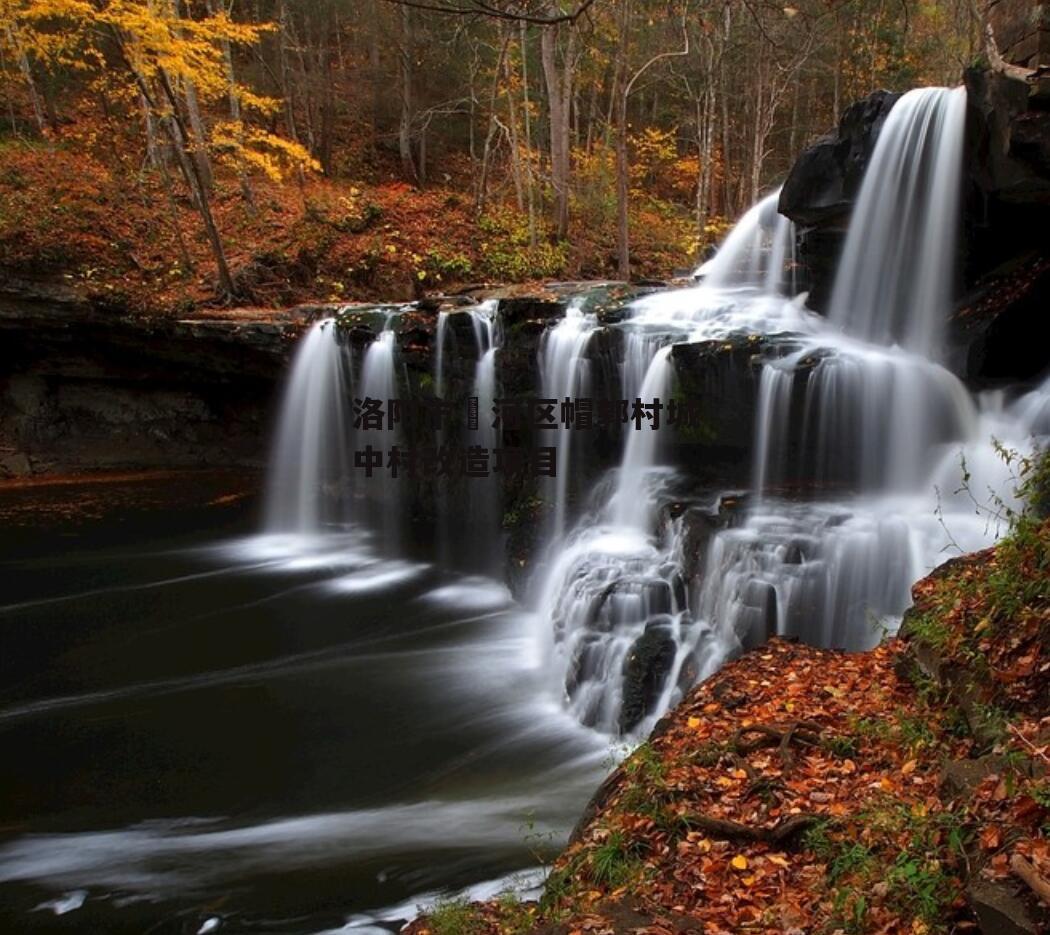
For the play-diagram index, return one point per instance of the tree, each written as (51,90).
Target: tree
(172,62)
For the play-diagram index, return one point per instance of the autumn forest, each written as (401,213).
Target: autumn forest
(166,154)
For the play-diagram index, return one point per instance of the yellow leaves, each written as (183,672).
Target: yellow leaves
(909,767)
(250,148)
(693,723)
(739,862)
(248,99)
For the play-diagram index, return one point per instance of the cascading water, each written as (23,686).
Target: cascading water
(632,503)
(440,352)
(869,412)
(759,252)
(310,464)
(854,411)
(565,372)
(382,491)
(894,281)
(485,510)
(622,641)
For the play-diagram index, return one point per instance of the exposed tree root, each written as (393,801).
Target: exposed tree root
(802,732)
(733,830)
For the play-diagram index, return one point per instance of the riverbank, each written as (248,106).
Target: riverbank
(902,789)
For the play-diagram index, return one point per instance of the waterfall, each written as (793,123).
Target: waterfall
(855,412)
(894,280)
(440,342)
(758,253)
(565,372)
(633,503)
(485,512)
(876,402)
(618,633)
(648,583)
(310,463)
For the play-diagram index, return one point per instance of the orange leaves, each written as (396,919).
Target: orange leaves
(991,837)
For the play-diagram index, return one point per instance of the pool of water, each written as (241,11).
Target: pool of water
(208,730)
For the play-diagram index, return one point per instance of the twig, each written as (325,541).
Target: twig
(1036,883)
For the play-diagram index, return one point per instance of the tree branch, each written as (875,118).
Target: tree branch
(483,8)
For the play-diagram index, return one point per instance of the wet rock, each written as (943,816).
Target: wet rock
(15,465)
(826,177)
(1000,910)
(87,387)
(646,668)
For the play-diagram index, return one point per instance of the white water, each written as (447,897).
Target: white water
(632,503)
(614,594)
(894,282)
(758,252)
(856,403)
(485,502)
(310,464)
(855,407)
(565,373)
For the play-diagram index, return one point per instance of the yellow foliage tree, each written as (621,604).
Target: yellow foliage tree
(172,61)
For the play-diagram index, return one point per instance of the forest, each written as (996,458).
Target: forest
(524,467)
(164,155)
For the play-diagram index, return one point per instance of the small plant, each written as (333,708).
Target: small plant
(453,917)
(613,863)
(920,886)
(851,910)
(842,746)
(850,859)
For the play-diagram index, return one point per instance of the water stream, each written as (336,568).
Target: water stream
(316,727)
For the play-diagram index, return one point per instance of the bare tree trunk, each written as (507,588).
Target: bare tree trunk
(530,180)
(193,179)
(235,104)
(374,71)
(324,150)
(724,95)
(758,142)
(152,156)
(559,91)
(175,125)
(623,247)
(515,142)
(27,74)
(490,135)
(404,130)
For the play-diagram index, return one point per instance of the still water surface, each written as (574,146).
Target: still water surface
(206,729)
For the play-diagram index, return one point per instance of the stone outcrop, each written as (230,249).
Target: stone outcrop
(1002,281)
(86,388)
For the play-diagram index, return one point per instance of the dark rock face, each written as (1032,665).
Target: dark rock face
(1002,278)
(1006,234)
(825,178)
(83,388)
(646,667)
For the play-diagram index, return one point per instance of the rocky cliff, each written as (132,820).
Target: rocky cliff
(1003,280)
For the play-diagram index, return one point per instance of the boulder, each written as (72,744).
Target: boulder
(646,668)
(825,178)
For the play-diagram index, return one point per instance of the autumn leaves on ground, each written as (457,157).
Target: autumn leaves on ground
(905,789)
(76,221)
